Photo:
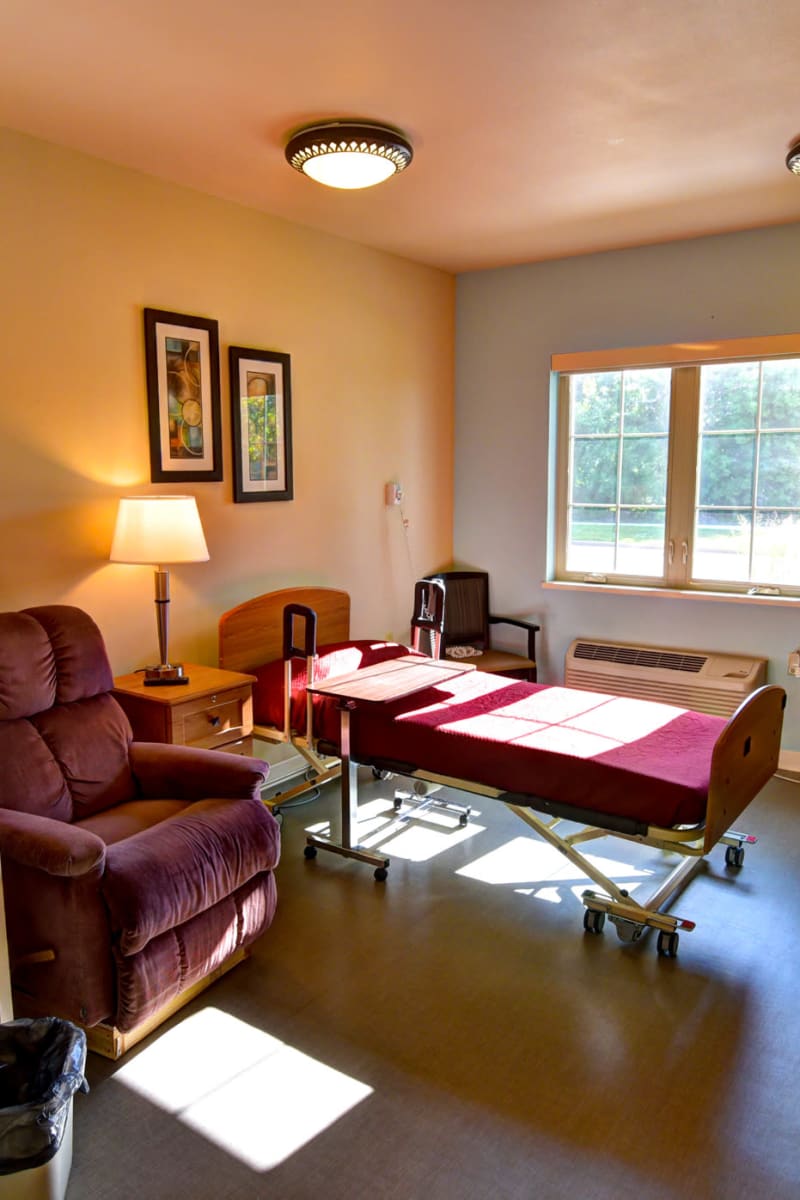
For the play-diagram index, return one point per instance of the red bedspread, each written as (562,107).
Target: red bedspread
(609,754)
(637,759)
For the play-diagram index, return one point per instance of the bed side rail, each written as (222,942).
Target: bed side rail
(306,619)
(745,758)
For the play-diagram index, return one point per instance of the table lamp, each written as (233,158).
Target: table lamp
(159,530)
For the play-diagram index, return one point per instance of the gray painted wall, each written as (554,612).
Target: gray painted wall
(509,322)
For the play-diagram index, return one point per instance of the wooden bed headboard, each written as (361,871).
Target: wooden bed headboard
(251,634)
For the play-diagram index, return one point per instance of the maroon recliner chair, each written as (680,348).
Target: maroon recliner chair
(134,873)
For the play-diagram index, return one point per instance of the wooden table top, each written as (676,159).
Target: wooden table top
(203,681)
(391,680)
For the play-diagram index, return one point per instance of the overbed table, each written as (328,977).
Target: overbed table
(377,684)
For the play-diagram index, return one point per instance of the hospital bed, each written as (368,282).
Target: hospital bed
(610,765)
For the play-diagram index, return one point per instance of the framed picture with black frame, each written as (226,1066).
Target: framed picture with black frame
(261,415)
(183,397)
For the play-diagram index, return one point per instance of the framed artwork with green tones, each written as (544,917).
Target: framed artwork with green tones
(261,412)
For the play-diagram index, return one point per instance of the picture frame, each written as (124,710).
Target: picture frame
(261,417)
(183,397)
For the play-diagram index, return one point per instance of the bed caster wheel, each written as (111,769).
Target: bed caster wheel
(397,804)
(381,874)
(377,773)
(734,856)
(668,944)
(310,852)
(593,921)
(463,820)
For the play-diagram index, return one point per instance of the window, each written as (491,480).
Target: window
(680,466)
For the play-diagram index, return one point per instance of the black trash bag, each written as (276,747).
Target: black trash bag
(42,1061)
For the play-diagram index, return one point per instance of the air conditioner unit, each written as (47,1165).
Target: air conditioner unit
(705,681)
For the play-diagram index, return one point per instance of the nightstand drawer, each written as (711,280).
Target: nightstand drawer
(213,720)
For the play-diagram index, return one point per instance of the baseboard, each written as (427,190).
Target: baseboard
(285,762)
(789,764)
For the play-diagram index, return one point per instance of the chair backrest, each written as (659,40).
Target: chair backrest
(427,621)
(466,608)
(63,737)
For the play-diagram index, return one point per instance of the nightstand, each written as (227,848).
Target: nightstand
(214,710)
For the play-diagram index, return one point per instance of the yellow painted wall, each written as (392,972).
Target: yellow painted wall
(84,247)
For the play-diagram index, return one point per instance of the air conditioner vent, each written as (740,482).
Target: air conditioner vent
(707,681)
(639,656)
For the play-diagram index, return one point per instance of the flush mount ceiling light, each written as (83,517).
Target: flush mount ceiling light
(348,154)
(793,159)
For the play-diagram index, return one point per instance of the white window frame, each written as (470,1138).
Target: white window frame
(685,360)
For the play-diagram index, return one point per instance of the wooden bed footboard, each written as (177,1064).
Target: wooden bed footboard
(251,635)
(745,757)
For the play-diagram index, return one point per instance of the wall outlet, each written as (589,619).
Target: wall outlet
(794,662)
(393,494)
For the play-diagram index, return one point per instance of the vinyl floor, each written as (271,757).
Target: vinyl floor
(453,1034)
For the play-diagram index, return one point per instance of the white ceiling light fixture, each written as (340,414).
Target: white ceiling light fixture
(793,159)
(349,154)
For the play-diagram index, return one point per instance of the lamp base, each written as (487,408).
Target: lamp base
(165,675)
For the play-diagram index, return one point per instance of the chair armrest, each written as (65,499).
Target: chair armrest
(187,773)
(531,627)
(47,845)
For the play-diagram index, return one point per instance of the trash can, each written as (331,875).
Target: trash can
(42,1061)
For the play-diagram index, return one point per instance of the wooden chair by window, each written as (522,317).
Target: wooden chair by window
(468,622)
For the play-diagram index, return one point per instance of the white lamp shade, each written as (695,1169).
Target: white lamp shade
(158,529)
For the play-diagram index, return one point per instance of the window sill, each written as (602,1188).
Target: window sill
(618,589)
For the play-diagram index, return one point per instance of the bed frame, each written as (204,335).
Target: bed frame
(744,758)
(252,636)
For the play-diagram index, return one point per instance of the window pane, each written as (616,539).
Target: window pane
(647,400)
(779,470)
(722,545)
(742,477)
(641,541)
(727,462)
(596,402)
(644,471)
(590,539)
(618,455)
(780,395)
(594,470)
(776,548)
(729,396)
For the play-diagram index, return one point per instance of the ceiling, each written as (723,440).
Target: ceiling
(541,128)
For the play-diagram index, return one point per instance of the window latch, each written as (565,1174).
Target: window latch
(671,552)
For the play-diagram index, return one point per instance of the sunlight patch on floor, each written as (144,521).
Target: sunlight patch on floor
(247,1092)
(417,839)
(528,863)
(420,842)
